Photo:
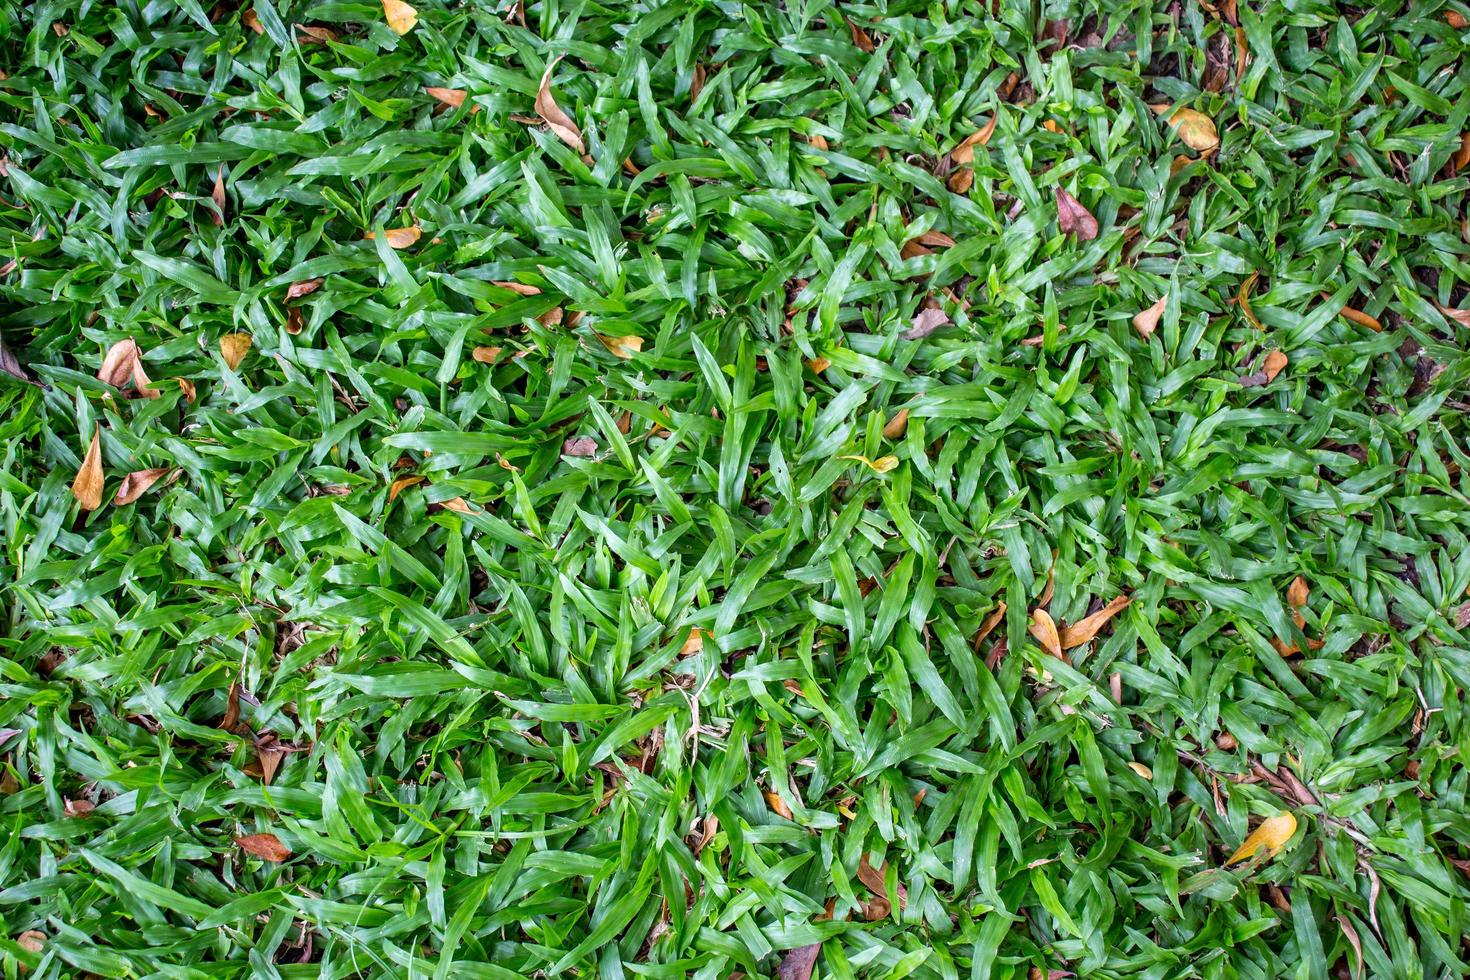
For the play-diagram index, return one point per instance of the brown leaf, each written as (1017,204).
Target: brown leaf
(10,365)
(990,623)
(267,847)
(623,347)
(861,38)
(1272,834)
(874,879)
(486,355)
(1351,935)
(1196,129)
(401,17)
(1462,616)
(936,239)
(696,83)
(1462,317)
(78,808)
(1073,218)
(187,387)
(294,320)
(268,760)
(561,124)
(1085,629)
(123,362)
(1456,20)
(232,708)
(252,21)
(1148,321)
(1243,299)
(218,196)
(1462,155)
(33,941)
(233,347)
(1242,54)
(962,157)
(818,364)
(1359,317)
(777,805)
(1044,629)
(925,322)
(399,237)
(401,484)
(798,963)
(694,644)
(1275,361)
(87,487)
(303,288)
(582,446)
(912,249)
(517,287)
(310,34)
(458,505)
(452,97)
(1297,593)
(896,425)
(137,483)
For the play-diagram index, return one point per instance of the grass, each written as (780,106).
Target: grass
(645,523)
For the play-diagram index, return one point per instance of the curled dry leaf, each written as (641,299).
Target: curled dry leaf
(778,806)
(87,487)
(582,446)
(252,21)
(1084,630)
(1358,316)
(1141,769)
(294,320)
(1044,629)
(517,287)
(990,623)
(233,347)
(1275,362)
(623,347)
(1272,834)
(452,97)
(267,847)
(925,322)
(798,963)
(399,237)
(1073,218)
(1243,300)
(896,425)
(1196,129)
(883,464)
(401,17)
(458,505)
(1148,321)
(138,482)
(303,288)
(552,114)
(123,362)
(217,195)
(401,484)
(962,157)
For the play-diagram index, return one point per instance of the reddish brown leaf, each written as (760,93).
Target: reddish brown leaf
(138,482)
(218,196)
(87,487)
(1456,20)
(778,806)
(925,322)
(452,97)
(267,847)
(936,239)
(1275,362)
(696,83)
(78,808)
(250,20)
(990,623)
(1073,218)
(303,288)
(399,237)
(517,287)
(798,963)
(896,425)
(401,484)
(485,354)
(583,446)
(861,38)
(873,878)
(10,364)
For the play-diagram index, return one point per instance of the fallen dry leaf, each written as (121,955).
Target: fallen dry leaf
(1141,769)
(87,487)
(310,34)
(990,623)
(218,196)
(33,941)
(137,483)
(303,288)
(583,446)
(883,464)
(78,808)
(1275,361)
(268,847)
(1073,218)
(696,83)
(1196,129)
(252,21)
(1298,593)
(10,364)
(294,320)
(123,362)
(1462,317)
(896,425)
(1462,155)
(1272,834)
(962,157)
(401,17)
(1359,317)
(623,347)
(517,287)
(452,97)
(778,806)
(861,38)
(798,963)
(233,347)
(1148,321)
(873,878)
(561,124)
(486,355)
(818,364)
(398,237)
(1085,629)
(694,644)
(401,484)
(1456,20)
(925,322)
(1044,629)
(1243,299)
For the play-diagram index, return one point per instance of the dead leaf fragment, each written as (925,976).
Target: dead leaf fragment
(398,237)
(798,963)
(896,425)
(1073,218)
(694,644)
(1456,20)
(1462,317)
(583,446)
(252,21)
(1141,769)
(87,487)
(10,364)
(401,484)
(778,806)
(883,464)
(1085,629)
(1196,129)
(818,364)
(452,97)
(311,34)
(1044,629)
(1275,361)
(623,347)
(990,623)
(218,196)
(78,808)
(123,362)
(137,483)
(962,157)
(33,941)
(1272,834)
(267,847)
(861,38)
(303,288)
(874,879)
(1148,321)
(486,355)
(401,17)
(517,287)
(233,347)
(925,322)
(552,114)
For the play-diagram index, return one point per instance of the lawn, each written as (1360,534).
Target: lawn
(707,488)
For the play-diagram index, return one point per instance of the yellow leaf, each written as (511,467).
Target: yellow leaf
(1141,769)
(1148,321)
(1044,629)
(1271,834)
(233,347)
(561,124)
(624,347)
(87,487)
(401,17)
(883,464)
(1196,129)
